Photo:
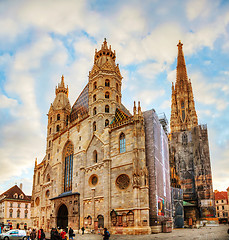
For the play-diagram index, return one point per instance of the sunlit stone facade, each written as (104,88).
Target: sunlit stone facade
(98,170)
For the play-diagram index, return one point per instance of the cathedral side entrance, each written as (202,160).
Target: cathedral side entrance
(66,211)
(62,217)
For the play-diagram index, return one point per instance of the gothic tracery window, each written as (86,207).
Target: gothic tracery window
(123,181)
(68,165)
(122,143)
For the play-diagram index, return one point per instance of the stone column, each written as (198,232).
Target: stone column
(93,207)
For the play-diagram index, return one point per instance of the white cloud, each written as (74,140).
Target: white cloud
(6,102)
(151,70)
(148,96)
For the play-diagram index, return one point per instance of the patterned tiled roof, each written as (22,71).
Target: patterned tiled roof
(119,116)
(80,106)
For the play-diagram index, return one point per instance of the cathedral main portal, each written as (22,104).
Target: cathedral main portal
(62,217)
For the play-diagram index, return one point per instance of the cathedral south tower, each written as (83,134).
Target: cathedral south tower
(183,113)
(189,149)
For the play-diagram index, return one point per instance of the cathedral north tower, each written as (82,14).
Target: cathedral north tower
(105,82)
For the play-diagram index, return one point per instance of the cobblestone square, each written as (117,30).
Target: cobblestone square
(207,233)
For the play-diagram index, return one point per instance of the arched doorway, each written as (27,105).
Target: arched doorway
(62,217)
(100,221)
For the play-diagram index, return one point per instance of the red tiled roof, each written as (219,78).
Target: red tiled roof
(15,189)
(220,195)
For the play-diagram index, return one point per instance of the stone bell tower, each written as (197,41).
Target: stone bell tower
(189,149)
(58,115)
(105,82)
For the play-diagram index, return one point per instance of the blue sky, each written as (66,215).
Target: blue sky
(41,40)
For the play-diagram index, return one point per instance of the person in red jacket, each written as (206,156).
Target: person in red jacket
(63,234)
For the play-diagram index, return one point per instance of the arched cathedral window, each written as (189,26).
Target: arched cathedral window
(122,143)
(107,83)
(95,156)
(94,111)
(107,109)
(57,128)
(95,85)
(106,122)
(68,165)
(58,117)
(182,111)
(107,95)
(184,139)
(94,126)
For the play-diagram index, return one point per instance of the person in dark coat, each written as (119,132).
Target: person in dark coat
(82,230)
(106,234)
(71,233)
(33,234)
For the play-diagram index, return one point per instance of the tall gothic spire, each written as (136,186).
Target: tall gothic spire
(183,113)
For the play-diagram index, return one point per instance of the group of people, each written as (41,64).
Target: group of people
(33,234)
(57,234)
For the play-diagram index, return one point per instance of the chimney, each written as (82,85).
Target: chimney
(21,186)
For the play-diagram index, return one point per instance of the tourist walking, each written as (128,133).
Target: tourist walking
(82,230)
(63,234)
(33,234)
(71,233)
(106,234)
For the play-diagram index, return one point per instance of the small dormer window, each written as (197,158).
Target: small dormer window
(15,195)
(21,196)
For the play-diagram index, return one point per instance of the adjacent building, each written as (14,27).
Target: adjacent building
(189,150)
(222,205)
(15,208)
(104,167)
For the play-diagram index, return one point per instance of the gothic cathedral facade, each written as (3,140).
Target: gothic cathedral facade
(101,161)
